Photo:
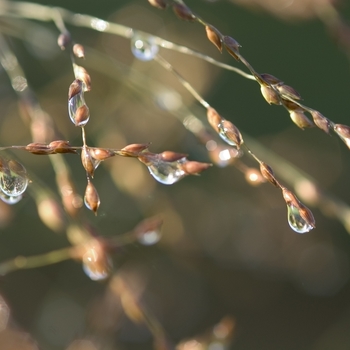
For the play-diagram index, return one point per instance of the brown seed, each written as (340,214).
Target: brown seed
(82,74)
(75,88)
(214,36)
(270,95)
(91,197)
(267,173)
(291,106)
(101,153)
(64,40)
(321,121)
(79,51)
(169,156)
(214,118)
(288,91)
(61,146)
(87,161)
(232,46)
(161,4)
(272,80)
(343,132)
(232,133)
(82,115)
(38,148)
(134,149)
(194,168)
(300,119)
(183,12)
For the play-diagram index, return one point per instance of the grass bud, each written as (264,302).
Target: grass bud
(300,119)
(161,4)
(75,88)
(38,148)
(214,118)
(194,168)
(91,198)
(82,74)
(183,12)
(270,95)
(343,131)
(232,46)
(64,40)
(60,146)
(268,174)
(79,51)
(169,156)
(288,91)
(214,36)
(87,161)
(101,153)
(270,79)
(321,121)
(82,115)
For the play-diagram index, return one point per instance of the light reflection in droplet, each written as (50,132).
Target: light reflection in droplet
(19,83)
(143,47)
(149,238)
(296,222)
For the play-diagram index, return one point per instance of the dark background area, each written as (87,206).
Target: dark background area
(226,247)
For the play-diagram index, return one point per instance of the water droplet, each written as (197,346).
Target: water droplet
(149,238)
(296,222)
(143,47)
(167,173)
(223,135)
(76,102)
(8,199)
(96,264)
(13,178)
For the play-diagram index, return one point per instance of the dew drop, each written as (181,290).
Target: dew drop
(143,47)
(296,222)
(10,199)
(223,135)
(13,178)
(149,238)
(96,265)
(74,103)
(167,173)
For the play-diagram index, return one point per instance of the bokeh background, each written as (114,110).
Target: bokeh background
(226,253)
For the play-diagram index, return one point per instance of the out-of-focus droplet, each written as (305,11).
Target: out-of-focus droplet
(78,110)
(150,237)
(143,47)
(19,83)
(99,24)
(97,264)
(8,199)
(167,173)
(296,222)
(13,178)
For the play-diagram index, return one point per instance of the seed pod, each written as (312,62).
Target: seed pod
(214,118)
(288,91)
(38,148)
(343,132)
(79,51)
(82,74)
(270,79)
(194,168)
(64,40)
(183,12)
(82,115)
(270,95)
(214,36)
(75,88)
(232,46)
(60,146)
(232,133)
(291,106)
(87,161)
(134,149)
(169,156)
(321,121)
(91,197)
(267,173)
(101,153)
(301,120)
(161,4)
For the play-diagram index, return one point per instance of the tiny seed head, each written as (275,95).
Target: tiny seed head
(214,36)
(79,51)
(214,118)
(183,12)
(267,173)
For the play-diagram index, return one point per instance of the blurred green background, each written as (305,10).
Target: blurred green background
(226,247)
